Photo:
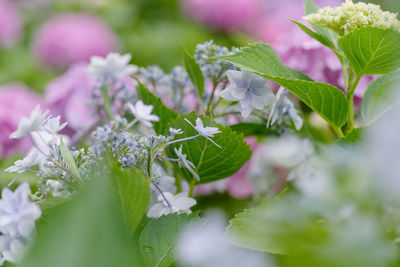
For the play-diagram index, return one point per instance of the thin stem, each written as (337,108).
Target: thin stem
(191,187)
(181,140)
(350,103)
(162,194)
(211,99)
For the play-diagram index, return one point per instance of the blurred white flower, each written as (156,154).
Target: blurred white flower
(21,166)
(283,106)
(143,112)
(169,203)
(174,131)
(52,126)
(186,163)
(17,212)
(28,125)
(112,67)
(203,244)
(56,188)
(249,89)
(207,132)
(11,249)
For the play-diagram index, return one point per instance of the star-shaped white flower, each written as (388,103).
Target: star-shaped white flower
(33,123)
(281,106)
(11,249)
(111,67)
(169,203)
(52,126)
(249,89)
(186,163)
(21,166)
(17,213)
(142,113)
(207,132)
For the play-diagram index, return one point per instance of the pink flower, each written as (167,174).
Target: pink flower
(69,96)
(71,38)
(10,23)
(16,101)
(223,14)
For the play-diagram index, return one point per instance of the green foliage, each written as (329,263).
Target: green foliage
(276,226)
(194,72)
(133,192)
(325,99)
(69,160)
(88,231)
(250,129)
(355,136)
(157,240)
(315,35)
(382,94)
(372,50)
(212,163)
(159,108)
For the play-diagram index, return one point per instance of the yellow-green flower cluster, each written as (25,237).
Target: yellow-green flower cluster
(350,16)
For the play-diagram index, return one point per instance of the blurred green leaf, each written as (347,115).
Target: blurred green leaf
(250,129)
(158,239)
(212,163)
(194,71)
(315,35)
(69,160)
(133,192)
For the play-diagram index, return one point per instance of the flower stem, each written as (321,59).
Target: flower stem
(350,103)
(191,187)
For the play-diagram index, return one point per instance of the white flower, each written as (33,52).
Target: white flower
(142,113)
(186,163)
(17,212)
(111,67)
(249,89)
(28,125)
(282,106)
(11,249)
(180,203)
(174,131)
(207,132)
(20,166)
(52,126)
(56,188)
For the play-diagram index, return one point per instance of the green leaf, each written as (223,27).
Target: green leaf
(310,7)
(87,231)
(325,99)
(165,114)
(69,160)
(276,226)
(133,193)
(212,163)
(250,129)
(372,50)
(381,96)
(315,35)
(195,73)
(354,137)
(158,239)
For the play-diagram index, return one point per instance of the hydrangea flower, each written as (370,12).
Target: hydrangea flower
(223,14)
(186,163)
(206,132)
(17,213)
(23,102)
(72,38)
(10,23)
(11,249)
(142,113)
(169,203)
(350,16)
(249,89)
(33,123)
(283,106)
(21,166)
(111,67)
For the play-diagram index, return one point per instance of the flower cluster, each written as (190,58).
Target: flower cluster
(350,16)
(17,221)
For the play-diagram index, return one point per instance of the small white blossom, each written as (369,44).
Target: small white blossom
(282,106)
(207,132)
(11,249)
(52,126)
(56,188)
(20,166)
(111,67)
(28,125)
(186,163)
(180,203)
(249,89)
(175,131)
(17,212)
(142,113)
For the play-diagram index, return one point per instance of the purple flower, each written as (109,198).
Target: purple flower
(71,38)
(16,101)
(223,14)
(69,95)
(10,23)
